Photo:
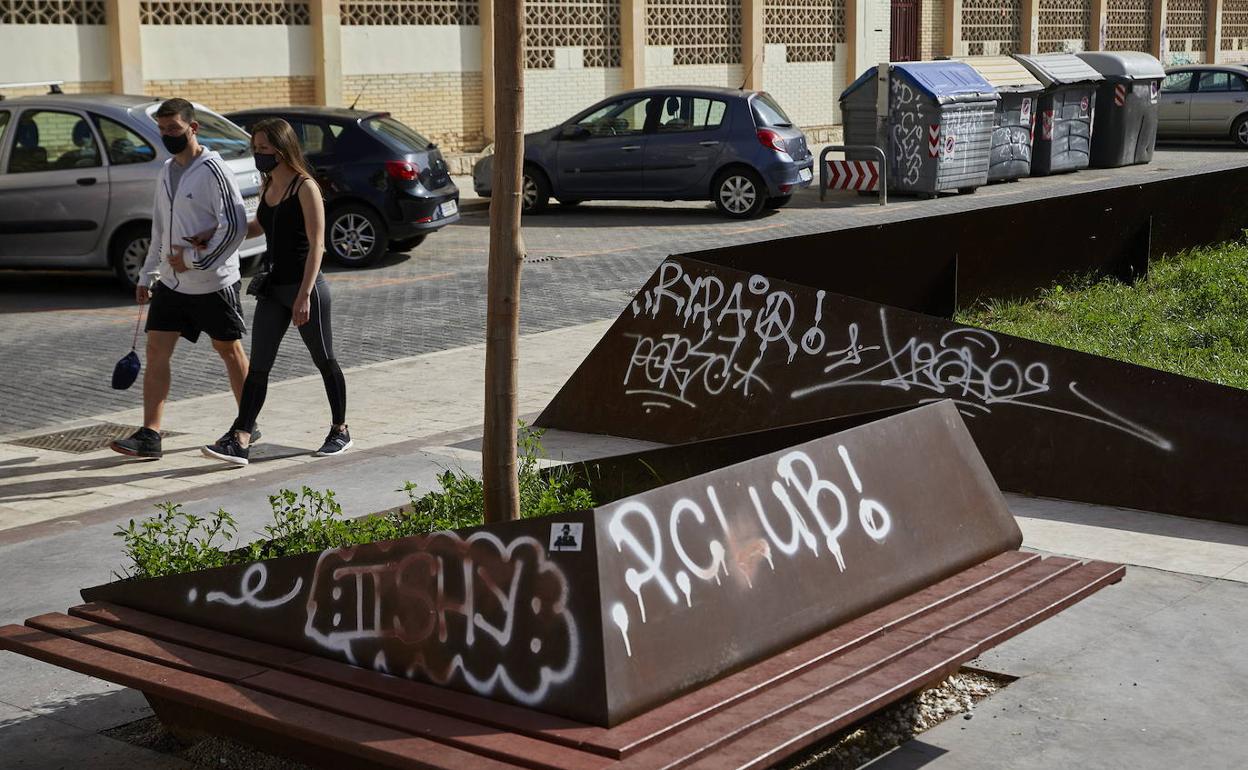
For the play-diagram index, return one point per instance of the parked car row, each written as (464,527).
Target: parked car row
(77,174)
(734,147)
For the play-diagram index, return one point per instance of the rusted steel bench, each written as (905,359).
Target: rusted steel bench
(721,617)
(332,714)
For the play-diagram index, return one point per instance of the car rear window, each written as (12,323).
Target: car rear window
(221,135)
(768,113)
(397,135)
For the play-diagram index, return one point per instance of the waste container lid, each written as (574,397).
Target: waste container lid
(1059,68)
(1005,74)
(1132,65)
(943,81)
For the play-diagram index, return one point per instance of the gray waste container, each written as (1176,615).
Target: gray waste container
(939,125)
(1015,118)
(1125,130)
(1063,139)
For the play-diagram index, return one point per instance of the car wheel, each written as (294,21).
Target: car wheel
(129,252)
(534,191)
(739,193)
(780,201)
(356,236)
(1240,131)
(407,244)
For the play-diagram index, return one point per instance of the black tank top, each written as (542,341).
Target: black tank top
(286,235)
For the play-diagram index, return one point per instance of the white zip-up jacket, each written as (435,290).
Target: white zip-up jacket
(207,200)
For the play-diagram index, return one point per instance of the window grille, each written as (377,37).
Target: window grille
(236,12)
(1062,21)
(52,12)
(808,29)
(1129,25)
(701,31)
(425,13)
(591,25)
(997,22)
(1185,25)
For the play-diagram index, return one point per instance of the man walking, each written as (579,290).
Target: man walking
(191,275)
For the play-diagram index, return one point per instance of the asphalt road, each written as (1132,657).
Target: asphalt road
(61,332)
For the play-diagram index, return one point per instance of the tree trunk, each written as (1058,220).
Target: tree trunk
(502,493)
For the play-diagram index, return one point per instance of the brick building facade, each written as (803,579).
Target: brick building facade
(426,61)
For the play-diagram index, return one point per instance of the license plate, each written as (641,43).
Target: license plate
(251,203)
(450,208)
(805,175)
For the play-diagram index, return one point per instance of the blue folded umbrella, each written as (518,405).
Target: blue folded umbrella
(126,371)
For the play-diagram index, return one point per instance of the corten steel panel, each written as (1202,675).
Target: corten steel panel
(489,611)
(1004,252)
(763,554)
(759,555)
(704,352)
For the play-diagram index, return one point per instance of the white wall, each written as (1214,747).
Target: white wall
(185,52)
(662,71)
(808,91)
(383,50)
(30,52)
(553,96)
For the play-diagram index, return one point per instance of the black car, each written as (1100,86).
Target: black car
(384,184)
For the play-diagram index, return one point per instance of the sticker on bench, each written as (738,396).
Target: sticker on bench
(566,536)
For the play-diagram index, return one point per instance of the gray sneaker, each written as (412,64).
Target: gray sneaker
(337,442)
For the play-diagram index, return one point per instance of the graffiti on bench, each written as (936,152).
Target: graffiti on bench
(726,330)
(439,608)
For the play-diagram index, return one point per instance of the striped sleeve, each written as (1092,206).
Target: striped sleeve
(231,218)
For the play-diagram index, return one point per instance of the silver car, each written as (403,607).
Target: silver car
(77,176)
(1204,101)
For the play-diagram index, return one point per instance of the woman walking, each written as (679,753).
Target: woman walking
(292,217)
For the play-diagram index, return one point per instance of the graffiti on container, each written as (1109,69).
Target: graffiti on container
(907,131)
(807,513)
(490,614)
(724,331)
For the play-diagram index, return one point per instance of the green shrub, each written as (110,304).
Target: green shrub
(309,520)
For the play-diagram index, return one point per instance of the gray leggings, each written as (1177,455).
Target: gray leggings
(273,315)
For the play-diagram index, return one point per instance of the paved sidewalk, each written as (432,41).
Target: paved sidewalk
(389,403)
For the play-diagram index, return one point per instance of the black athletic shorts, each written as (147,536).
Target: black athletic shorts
(219,314)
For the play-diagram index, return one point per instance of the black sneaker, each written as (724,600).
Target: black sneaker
(228,449)
(144,443)
(337,442)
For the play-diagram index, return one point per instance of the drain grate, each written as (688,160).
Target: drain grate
(81,440)
(534,260)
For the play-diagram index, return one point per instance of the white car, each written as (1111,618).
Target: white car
(77,176)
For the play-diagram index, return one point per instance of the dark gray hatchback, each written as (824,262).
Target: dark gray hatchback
(735,147)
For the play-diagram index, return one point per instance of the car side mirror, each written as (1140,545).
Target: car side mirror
(574,132)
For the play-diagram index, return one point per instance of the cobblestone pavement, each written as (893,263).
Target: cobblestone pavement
(60,332)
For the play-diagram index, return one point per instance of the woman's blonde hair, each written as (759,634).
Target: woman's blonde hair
(282,137)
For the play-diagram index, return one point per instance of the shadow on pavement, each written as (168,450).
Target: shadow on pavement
(33,291)
(20,491)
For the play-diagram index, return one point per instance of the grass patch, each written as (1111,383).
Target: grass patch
(1189,316)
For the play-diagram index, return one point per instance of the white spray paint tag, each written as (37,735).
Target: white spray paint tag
(566,536)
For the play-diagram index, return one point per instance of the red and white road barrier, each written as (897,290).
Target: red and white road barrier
(1120,95)
(861,175)
(933,141)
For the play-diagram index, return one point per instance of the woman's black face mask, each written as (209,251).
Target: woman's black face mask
(266,162)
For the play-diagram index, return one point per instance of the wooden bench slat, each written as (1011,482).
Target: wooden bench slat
(622,739)
(477,738)
(636,733)
(470,736)
(373,743)
(843,669)
(1023,613)
(857,694)
(145,647)
(439,699)
(839,708)
(200,637)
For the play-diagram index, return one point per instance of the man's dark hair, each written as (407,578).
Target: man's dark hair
(180,107)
